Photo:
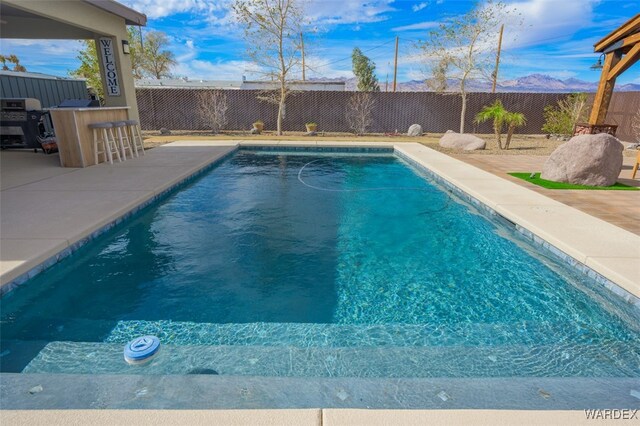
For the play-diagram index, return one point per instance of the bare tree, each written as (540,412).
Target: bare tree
(212,109)
(438,80)
(359,111)
(272,32)
(462,49)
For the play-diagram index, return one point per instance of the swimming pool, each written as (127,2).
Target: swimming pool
(302,264)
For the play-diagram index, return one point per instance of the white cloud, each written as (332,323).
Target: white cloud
(216,70)
(546,21)
(347,11)
(55,57)
(321,66)
(156,9)
(43,48)
(418,26)
(186,51)
(319,12)
(419,6)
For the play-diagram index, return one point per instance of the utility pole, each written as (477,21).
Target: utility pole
(302,45)
(495,72)
(395,66)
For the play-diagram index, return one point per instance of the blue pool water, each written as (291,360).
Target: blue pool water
(292,264)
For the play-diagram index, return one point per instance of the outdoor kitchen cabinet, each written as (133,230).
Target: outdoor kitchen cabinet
(73,135)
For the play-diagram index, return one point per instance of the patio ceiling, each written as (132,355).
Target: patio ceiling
(20,20)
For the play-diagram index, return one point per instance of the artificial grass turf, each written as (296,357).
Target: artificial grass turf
(536,180)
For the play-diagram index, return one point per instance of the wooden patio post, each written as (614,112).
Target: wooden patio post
(605,89)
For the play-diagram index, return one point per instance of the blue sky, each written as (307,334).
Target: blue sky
(556,38)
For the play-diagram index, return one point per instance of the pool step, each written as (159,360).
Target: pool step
(346,335)
(390,362)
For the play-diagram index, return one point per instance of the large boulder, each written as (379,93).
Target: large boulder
(463,141)
(594,160)
(415,130)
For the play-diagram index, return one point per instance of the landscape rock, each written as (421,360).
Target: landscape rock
(594,160)
(415,130)
(165,131)
(463,141)
(254,131)
(311,134)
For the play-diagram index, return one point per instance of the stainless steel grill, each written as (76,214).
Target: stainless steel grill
(20,123)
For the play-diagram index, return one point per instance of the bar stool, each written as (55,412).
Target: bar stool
(135,135)
(103,135)
(123,137)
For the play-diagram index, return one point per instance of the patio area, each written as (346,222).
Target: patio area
(620,208)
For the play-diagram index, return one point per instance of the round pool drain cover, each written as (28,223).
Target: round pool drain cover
(141,349)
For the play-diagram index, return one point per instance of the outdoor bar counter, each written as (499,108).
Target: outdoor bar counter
(75,138)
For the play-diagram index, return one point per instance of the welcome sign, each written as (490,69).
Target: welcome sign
(109,64)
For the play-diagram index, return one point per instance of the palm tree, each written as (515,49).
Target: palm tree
(513,120)
(497,113)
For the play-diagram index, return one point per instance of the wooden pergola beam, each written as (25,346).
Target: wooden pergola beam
(626,28)
(605,89)
(628,60)
(621,48)
(624,44)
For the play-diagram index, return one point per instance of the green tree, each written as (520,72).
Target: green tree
(12,59)
(272,31)
(364,70)
(464,49)
(89,68)
(497,113)
(560,119)
(135,51)
(156,60)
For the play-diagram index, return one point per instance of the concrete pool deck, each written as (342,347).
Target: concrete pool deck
(46,209)
(305,417)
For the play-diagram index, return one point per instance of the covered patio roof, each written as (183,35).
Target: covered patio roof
(21,20)
(79,20)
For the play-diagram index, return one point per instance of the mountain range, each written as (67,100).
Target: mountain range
(533,83)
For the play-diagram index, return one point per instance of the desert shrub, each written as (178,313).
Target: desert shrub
(212,109)
(561,118)
(359,111)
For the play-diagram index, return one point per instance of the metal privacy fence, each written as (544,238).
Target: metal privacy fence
(178,109)
(622,109)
